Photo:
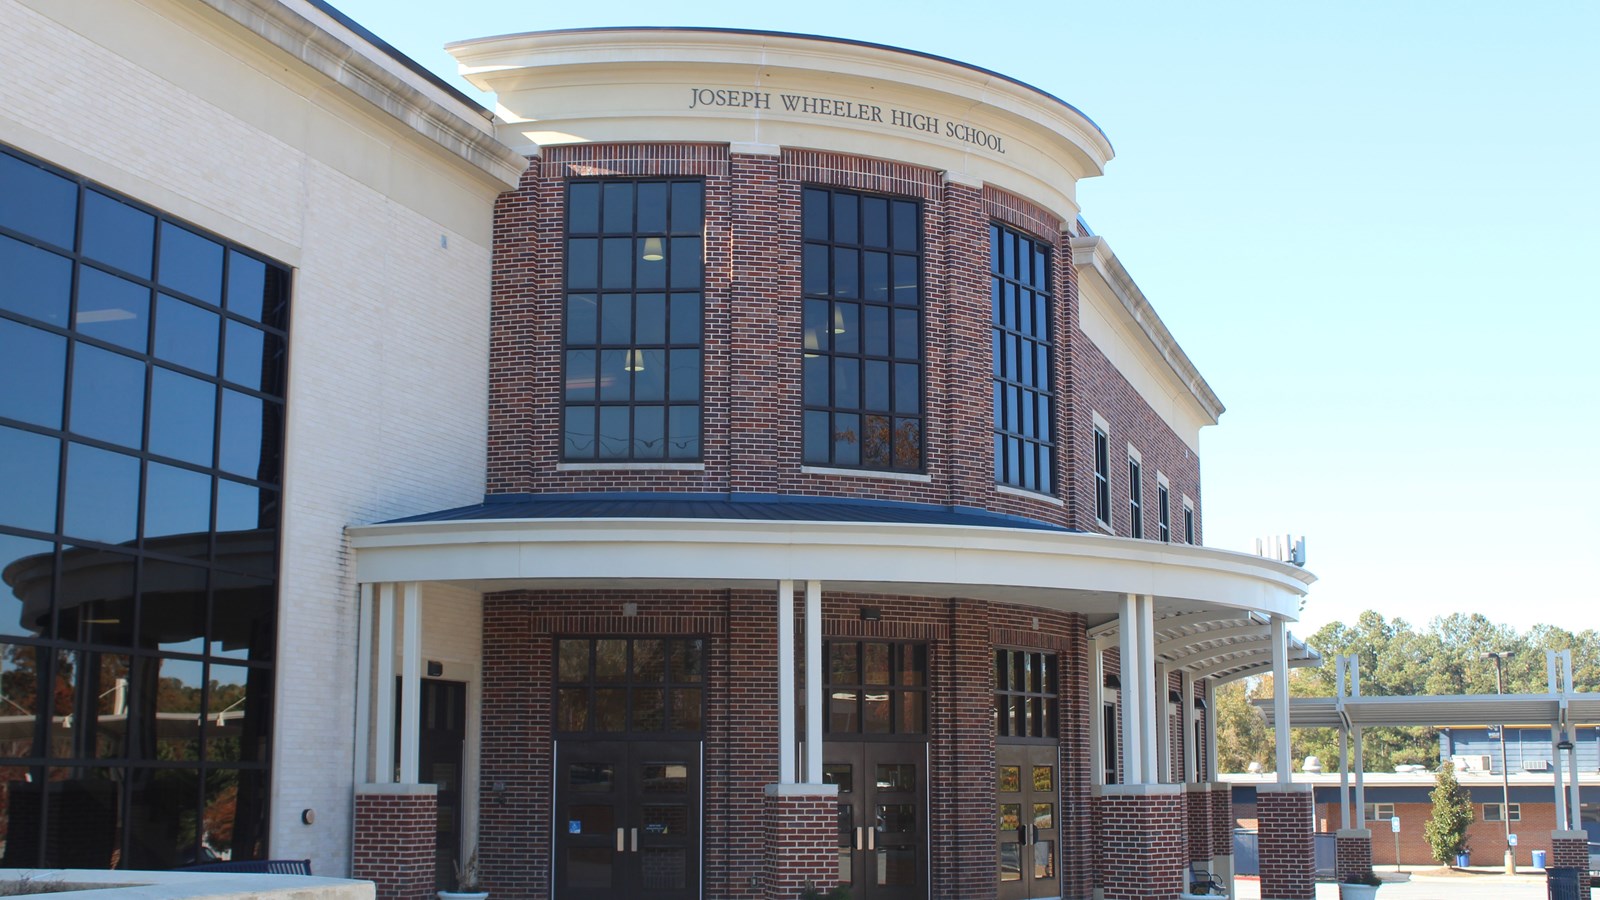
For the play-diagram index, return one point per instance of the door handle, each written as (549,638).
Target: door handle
(635,847)
(620,847)
(872,838)
(858,837)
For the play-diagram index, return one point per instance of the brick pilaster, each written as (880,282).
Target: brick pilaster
(802,847)
(1143,844)
(1288,848)
(395,839)
(1222,820)
(1571,848)
(1354,855)
(961,784)
(1198,799)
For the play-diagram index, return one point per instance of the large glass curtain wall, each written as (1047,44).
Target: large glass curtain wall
(141,432)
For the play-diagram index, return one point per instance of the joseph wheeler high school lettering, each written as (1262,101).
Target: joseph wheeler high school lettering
(805,104)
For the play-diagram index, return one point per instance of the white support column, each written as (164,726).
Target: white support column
(383,705)
(364,652)
(1097,716)
(1361,780)
(1344,744)
(1555,764)
(1132,690)
(1575,802)
(1186,715)
(411,685)
(786,709)
(1211,731)
(1280,696)
(1163,721)
(1150,694)
(814,695)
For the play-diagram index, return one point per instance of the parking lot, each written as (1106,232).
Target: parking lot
(1433,884)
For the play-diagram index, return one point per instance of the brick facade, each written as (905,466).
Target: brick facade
(1354,854)
(1143,845)
(752,336)
(1571,849)
(1287,847)
(801,842)
(394,841)
(1198,799)
(1221,820)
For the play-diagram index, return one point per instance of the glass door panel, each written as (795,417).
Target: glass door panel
(882,817)
(1026,822)
(629,820)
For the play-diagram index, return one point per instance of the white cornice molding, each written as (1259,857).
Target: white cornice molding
(1093,257)
(451,127)
(1071,570)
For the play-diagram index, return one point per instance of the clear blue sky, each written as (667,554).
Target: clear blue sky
(1372,225)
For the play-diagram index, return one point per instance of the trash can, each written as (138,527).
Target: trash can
(1538,859)
(1463,860)
(1561,883)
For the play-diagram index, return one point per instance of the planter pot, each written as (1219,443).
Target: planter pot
(463,895)
(1358,891)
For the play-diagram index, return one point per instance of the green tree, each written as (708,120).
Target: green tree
(1242,733)
(1446,831)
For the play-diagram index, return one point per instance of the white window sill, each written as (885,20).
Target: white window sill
(868,473)
(632,466)
(1029,495)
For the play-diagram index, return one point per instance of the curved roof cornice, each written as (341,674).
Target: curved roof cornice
(635,84)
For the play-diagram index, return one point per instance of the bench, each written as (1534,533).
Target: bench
(256,867)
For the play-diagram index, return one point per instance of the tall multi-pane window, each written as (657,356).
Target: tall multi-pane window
(1164,512)
(1020,306)
(1102,476)
(634,277)
(141,436)
(1025,694)
(1135,500)
(862,275)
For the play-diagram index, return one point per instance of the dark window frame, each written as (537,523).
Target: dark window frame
(632,350)
(1005,720)
(1102,476)
(1020,387)
(628,684)
(1163,512)
(898,692)
(1188,523)
(79,657)
(1135,497)
(818,340)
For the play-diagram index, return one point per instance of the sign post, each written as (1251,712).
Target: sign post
(1394,826)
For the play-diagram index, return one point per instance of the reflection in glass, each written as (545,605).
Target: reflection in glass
(37,202)
(26,574)
(1009,779)
(174,687)
(591,777)
(102,502)
(896,777)
(183,415)
(19,698)
(897,866)
(649,713)
(29,466)
(664,868)
(243,620)
(1044,860)
(112,309)
(84,806)
(38,283)
(572,709)
(610,660)
(172,606)
(572,660)
(177,501)
(687,709)
(589,867)
(664,778)
(32,368)
(164,808)
(186,334)
(1010,862)
(190,263)
(107,396)
(117,233)
(227,711)
(610,709)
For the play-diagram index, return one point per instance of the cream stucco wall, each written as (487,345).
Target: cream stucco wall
(181,107)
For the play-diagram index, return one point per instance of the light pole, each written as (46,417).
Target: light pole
(1505,769)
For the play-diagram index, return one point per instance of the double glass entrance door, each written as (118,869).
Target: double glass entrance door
(883,800)
(628,820)
(1029,833)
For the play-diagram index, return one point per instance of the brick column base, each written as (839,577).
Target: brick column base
(1222,823)
(1198,799)
(802,835)
(1288,848)
(1354,854)
(1571,848)
(395,839)
(1144,849)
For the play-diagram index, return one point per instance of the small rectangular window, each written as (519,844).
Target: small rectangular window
(1491,812)
(1379,812)
(1188,524)
(1164,513)
(1135,501)
(1102,476)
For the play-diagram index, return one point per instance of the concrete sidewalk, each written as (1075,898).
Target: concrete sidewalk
(1433,883)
